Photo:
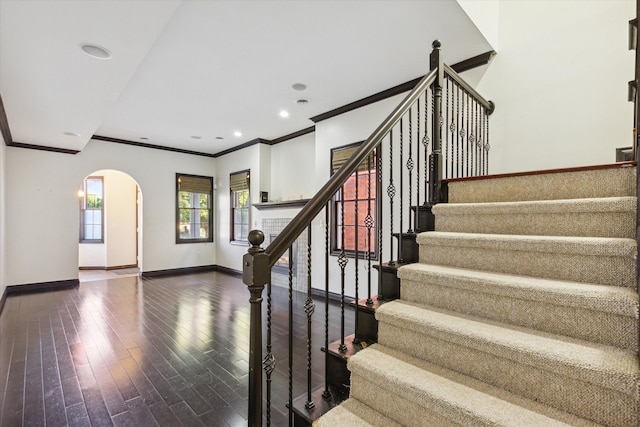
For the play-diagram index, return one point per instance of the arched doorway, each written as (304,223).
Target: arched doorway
(110,228)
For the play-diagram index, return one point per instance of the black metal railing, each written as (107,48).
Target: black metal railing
(440,130)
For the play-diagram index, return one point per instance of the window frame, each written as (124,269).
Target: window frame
(209,238)
(334,217)
(83,209)
(232,208)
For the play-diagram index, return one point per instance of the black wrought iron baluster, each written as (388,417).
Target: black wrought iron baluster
(391,192)
(309,308)
(410,166)
(458,156)
(466,133)
(400,254)
(472,142)
(269,362)
(418,118)
(481,140)
(378,220)
(356,339)
(445,154)
(290,336)
(452,131)
(368,222)
(342,262)
(425,143)
(487,146)
(477,128)
(462,132)
(326,394)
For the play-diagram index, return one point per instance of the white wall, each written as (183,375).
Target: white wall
(44,241)
(121,219)
(559,82)
(119,247)
(293,166)
(230,254)
(485,14)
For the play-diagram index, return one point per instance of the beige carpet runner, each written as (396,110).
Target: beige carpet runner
(523,311)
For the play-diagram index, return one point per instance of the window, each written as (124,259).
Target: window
(240,199)
(194,195)
(92,210)
(360,190)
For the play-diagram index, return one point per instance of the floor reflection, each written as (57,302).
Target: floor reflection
(128,351)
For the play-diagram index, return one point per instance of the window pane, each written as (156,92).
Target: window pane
(185,228)
(97,232)
(88,232)
(204,201)
(94,186)
(359,194)
(193,207)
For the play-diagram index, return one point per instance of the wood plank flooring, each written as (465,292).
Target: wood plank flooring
(165,351)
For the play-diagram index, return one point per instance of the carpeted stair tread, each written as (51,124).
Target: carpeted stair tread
(599,313)
(600,204)
(602,260)
(416,391)
(611,299)
(353,413)
(604,217)
(592,246)
(610,182)
(604,366)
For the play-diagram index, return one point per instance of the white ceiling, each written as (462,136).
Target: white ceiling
(209,68)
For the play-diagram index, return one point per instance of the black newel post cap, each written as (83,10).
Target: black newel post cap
(436,44)
(256,238)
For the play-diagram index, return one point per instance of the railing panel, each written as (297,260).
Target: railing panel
(440,130)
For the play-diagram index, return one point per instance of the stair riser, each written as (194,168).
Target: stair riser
(605,270)
(595,326)
(615,182)
(583,224)
(397,407)
(560,391)
(404,410)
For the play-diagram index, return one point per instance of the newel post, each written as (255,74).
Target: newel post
(435,158)
(255,274)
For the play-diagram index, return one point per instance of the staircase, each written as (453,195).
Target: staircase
(522,310)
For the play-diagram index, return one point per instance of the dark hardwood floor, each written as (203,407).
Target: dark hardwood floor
(165,351)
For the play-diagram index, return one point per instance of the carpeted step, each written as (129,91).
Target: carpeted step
(599,313)
(601,217)
(606,261)
(575,373)
(546,185)
(413,392)
(353,413)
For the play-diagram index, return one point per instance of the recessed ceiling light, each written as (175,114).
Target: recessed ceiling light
(96,51)
(284,113)
(72,134)
(196,137)
(302,101)
(237,133)
(219,137)
(299,86)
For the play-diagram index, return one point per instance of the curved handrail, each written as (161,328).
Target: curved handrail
(291,232)
(489,105)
